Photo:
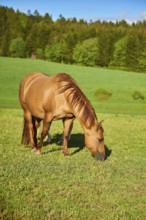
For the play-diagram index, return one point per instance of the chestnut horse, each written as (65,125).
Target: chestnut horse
(49,98)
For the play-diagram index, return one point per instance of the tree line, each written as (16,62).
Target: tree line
(98,43)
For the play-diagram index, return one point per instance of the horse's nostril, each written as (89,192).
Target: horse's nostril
(99,156)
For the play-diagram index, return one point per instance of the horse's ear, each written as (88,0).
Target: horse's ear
(99,124)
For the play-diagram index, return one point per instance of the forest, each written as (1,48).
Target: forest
(98,43)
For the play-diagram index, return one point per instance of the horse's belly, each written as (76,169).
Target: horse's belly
(37,112)
(34,106)
(63,115)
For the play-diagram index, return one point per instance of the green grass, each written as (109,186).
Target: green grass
(51,187)
(121,84)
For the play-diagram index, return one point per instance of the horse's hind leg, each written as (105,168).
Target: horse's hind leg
(36,124)
(68,124)
(46,127)
(30,126)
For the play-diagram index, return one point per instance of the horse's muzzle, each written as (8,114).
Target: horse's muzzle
(100,156)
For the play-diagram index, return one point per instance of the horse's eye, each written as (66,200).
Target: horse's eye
(100,139)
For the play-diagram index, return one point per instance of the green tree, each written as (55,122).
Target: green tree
(13,24)
(119,55)
(17,47)
(142,58)
(133,51)
(42,34)
(39,53)
(87,53)
(3,23)
(142,61)
(54,52)
(69,40)
(106,47)
(5,44)
(31,40)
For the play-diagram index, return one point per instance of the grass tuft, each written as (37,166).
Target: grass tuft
(102,95)
(138,95)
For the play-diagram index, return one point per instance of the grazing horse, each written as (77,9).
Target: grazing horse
(49,98)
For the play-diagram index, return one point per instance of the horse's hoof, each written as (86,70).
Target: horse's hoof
(59,142)
(67,156)
(37,152)
(33,149)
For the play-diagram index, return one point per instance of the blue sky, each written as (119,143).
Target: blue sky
(130,10)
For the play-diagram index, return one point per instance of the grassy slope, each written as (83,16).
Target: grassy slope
(52,187)
(121,84)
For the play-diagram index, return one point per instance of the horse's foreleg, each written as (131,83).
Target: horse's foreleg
(62,136)
(70,130)
(68,123)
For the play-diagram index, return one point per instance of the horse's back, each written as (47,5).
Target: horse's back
(29,90)
(30,79)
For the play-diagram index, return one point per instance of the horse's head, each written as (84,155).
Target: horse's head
(95,142)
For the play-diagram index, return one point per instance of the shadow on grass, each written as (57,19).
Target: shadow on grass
(107,152)
(77,141)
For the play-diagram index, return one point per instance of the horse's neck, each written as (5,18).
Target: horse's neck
(87,122)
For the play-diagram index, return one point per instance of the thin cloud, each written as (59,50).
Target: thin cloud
(121,16)
(143,15)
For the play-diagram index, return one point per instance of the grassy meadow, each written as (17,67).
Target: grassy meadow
(121,84)
(51,187)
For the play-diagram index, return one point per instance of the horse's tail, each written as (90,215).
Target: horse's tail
(25,134)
